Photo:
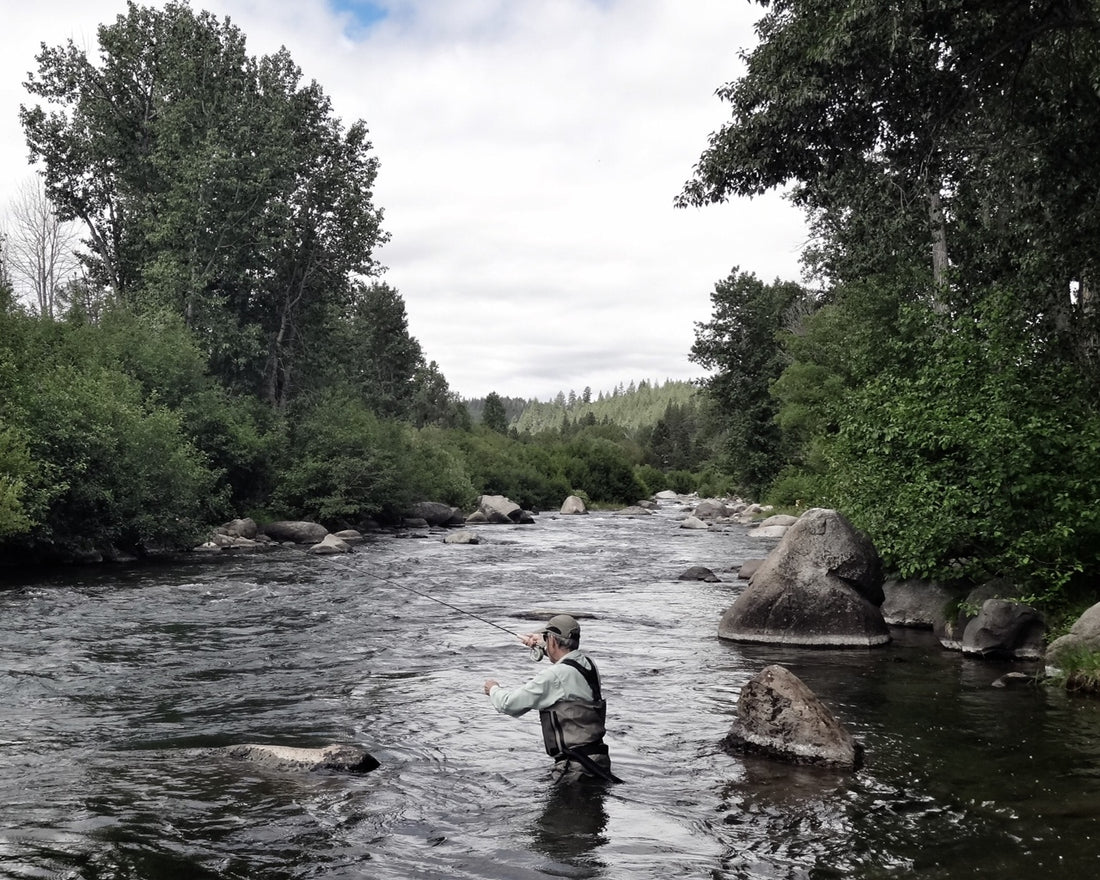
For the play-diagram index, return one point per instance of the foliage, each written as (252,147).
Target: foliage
(739,344)
(514,408)
(493,415)
(529,474)
(1079,669)
(438,471)
(941,387)
(211,183)
(602,471)
(974,465)
(636,406)
(115,470)
(16,468)
(344,464)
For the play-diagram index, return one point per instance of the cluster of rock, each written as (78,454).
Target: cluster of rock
(245,535)
(822,585)
(716,512)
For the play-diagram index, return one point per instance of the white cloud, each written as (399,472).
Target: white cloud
(530,154)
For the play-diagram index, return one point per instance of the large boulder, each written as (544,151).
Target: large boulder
(434,513)
(748,568)
(820,586)
(1004,628)
(241,528)
(778,716)
(916,603)
(711,509)
(342,758)
(1084,635)
(330,545)
(295,531)
(573,505)
(952,628)
(498,509)
(693,522)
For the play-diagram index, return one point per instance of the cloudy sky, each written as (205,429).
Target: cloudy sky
(530,153)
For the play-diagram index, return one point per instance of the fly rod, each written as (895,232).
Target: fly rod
(537,652)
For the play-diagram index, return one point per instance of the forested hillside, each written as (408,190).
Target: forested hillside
(632,406)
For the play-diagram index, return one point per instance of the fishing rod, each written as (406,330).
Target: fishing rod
(537,651)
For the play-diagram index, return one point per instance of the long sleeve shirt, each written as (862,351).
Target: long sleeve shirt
(557,682)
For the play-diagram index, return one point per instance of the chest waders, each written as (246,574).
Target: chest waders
(574,729)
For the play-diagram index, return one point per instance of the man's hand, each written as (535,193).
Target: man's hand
(490,683)
(532,639)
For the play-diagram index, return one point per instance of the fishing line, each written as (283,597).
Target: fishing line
(536,652)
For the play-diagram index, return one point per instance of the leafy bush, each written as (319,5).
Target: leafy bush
(797,489)
(601,469)
(344,464)
(115,471)
(977,464)
(438,473)
(651,478)
(16,467)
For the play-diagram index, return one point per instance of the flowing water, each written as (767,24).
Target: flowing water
(117,683)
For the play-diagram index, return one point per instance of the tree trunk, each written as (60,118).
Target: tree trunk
(938,227)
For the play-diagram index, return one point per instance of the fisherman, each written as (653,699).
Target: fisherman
(570,702)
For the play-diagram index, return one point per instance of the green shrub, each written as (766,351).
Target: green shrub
(437,472)
(682,482)
(797,489)
(344,464)
(651,478)
(1080,669)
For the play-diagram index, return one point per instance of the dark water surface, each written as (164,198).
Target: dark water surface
(114,683)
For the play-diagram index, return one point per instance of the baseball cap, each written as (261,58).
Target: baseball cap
(564,625)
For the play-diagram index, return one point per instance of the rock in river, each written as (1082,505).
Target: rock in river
(343,758)
(820,586)
(778,716)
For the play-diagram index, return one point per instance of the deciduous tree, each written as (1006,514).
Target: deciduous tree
(214,183)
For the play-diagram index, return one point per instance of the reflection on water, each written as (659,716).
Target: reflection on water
(572,825)
(116,683)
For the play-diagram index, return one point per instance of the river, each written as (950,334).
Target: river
(117,682)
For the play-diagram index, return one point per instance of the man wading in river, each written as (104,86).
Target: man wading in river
(569,700)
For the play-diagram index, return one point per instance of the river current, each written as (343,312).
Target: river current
(117,683)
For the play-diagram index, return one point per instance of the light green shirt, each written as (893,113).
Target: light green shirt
(551,685)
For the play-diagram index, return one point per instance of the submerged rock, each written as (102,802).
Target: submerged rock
(778,716)
(329,545)
(342,758)
(462,536)
(699,573)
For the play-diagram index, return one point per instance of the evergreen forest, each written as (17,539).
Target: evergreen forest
(230,347)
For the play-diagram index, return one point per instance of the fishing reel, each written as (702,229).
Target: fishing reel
(538,652)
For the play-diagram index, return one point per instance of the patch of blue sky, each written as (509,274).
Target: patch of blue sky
(363,14)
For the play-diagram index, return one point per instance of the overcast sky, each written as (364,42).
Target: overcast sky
(530,153)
